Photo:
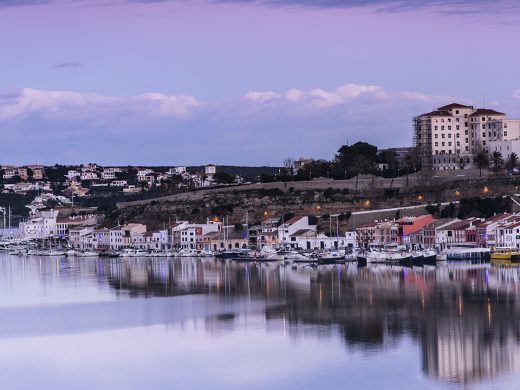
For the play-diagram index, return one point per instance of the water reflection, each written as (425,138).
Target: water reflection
(462,317)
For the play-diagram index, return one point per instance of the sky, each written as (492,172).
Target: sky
(241,82)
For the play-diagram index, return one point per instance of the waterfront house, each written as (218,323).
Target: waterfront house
(187,235)
(365,234)
(122,237)
(290,227)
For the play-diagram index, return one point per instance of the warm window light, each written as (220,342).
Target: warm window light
(420,197)
(485,190)
(457,194)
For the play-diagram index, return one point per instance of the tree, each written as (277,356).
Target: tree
(497,160)
(512,161)
(144,185)
(347,154)
(289,164)
(482,160)
(223,178)
(361,165)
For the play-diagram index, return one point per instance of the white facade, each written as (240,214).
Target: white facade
(108,175)
(119,183)
(449,137)
(188,235)
(42,226)
(505,147)
(291,227)
(89,176)
(81,238)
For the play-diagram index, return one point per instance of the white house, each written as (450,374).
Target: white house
(119,183)
(41,226)
(290,227)
(177,171)
(189,235)
(89,176)
(108,175)
(123,236)
(82,238)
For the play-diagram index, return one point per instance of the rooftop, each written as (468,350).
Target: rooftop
(486,111)
(453,105)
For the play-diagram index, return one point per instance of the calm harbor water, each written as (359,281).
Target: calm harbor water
(202,323)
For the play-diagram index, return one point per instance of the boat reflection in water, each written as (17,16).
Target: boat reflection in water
(464,318)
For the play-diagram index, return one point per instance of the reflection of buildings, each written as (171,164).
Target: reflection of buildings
(464,317)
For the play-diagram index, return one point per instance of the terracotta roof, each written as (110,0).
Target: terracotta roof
(367,225)
(498,217)
(437,113)
(509,226)
(292,220)
(486,111)
(458,225)
(453,105)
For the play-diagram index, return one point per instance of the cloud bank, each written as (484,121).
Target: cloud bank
(260,127)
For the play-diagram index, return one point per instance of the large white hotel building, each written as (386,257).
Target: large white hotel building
(450,137)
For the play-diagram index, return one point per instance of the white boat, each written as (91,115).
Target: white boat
(188,253)
(53,253)
(138,253)
(464,252)
(206,253)
(71,252)
(386,257)
(87,254)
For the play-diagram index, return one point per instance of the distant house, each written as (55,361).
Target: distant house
(108,175)
(89,176)
(301,163)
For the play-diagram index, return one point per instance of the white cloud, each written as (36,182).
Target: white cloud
(69,105)
(259,127)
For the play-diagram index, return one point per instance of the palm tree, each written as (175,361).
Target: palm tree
(512,161)
(482,160)
(498,161)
